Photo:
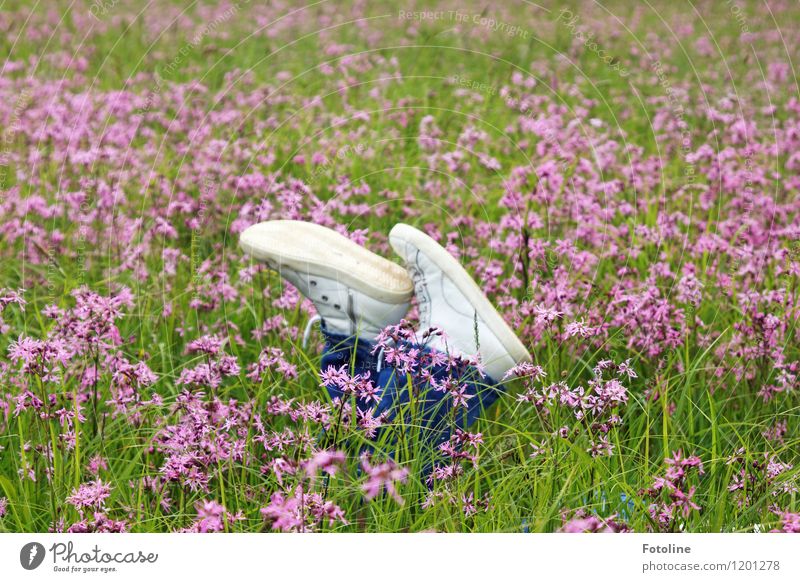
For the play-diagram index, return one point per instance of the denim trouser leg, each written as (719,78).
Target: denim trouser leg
(432,411)
(356,354)
(410,395)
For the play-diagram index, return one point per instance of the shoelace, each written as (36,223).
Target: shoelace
(379,366)
(307,332)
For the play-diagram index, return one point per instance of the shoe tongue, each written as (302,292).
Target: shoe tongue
(422,294)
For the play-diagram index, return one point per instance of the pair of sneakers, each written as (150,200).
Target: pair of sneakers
(359,293)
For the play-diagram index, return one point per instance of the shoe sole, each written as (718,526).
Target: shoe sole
(462,280)
(315,249)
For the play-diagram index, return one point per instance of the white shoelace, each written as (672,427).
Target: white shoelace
(380,361)
(307,332)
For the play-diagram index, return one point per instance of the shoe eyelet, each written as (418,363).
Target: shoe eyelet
(324,297)
(313,283)
(335,306)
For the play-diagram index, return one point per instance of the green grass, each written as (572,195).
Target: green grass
(712,417)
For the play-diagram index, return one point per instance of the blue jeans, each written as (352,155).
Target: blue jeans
(421,408)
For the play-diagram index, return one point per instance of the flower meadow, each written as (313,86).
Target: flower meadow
(620,178)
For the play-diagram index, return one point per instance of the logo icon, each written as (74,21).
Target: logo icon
(31,555)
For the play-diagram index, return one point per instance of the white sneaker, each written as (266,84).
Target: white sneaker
(450,300)
(355,291)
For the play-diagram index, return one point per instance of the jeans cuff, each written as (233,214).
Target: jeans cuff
(341,347)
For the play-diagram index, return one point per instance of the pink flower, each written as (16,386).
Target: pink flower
(460,396)
(271,358)
(208,344)
(526,370)
(385,475)
(579,328)
(95,464)
(366,390)
(8,296)
(671,498)
(332,376)
(326,461)
(90,495)
(789,522)
(301,511)
(582,523)
(283,512)
(210,516)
